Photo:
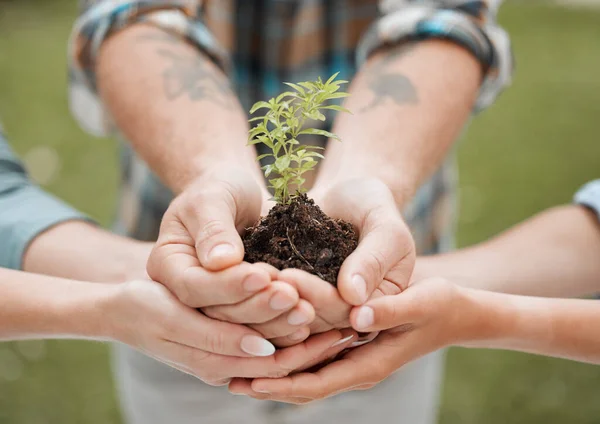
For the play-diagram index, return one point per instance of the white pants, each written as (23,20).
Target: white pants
(154,393)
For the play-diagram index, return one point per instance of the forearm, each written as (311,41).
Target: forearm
(552,327)
(35,306)
(81,251)
(173,104)
(553,254)
(409,104)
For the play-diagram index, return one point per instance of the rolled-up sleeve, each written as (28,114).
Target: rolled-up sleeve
(469,23)
(25,210)
(100,19)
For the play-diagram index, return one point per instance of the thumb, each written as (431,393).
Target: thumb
(215,213)
(386,245)
(386,312)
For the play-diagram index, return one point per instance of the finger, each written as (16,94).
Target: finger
(270,303)
(385,312)
(189,327)
(296,337)
(271,270)
(360,367)
(329,307)
(287,360)
(286,324)
(385,245)
(215,214)
(198,287)
(241,386)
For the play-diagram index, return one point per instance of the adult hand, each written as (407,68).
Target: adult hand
(199,252)
(148,317)
(427,316)
(383,262)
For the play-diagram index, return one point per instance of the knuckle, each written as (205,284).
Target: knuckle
(210,230)
(279,371)
(215,342)
(376,262)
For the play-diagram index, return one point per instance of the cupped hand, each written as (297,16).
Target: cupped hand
(381,265)
(148,317)
(383,262)
(427,316)
(199,253)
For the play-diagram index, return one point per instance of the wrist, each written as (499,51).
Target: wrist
(493,317)
(79,311)
(367,168)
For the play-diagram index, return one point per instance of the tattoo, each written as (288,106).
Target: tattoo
(390,85)
(190,74)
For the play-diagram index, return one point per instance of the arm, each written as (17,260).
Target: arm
(174,104)
(435,313)
(553,254)
(410,104)
(146,316)
(81,251)
(410,100)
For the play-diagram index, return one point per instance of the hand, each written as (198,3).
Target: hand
(383,262)
(427,316)
(146,316)
(384,258)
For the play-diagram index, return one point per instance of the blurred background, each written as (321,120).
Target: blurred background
(530,151)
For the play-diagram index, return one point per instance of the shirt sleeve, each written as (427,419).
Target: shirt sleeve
(25,210)
(589,196)
(100,19)
(470,23)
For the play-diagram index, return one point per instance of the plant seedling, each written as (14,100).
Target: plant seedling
(297,233)
(284,123)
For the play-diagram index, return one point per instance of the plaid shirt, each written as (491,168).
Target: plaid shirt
(260,43)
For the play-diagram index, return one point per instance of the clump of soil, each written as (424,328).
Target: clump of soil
(300,235)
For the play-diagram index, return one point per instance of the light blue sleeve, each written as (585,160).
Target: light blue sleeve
(25,209)
(589,195)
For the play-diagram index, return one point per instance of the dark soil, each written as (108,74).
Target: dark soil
(300,235)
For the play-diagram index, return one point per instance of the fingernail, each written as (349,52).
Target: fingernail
(297,318)
(360,287)
(254,283)
(257,346)
(221,251)
(344,340)
(298,335)
(365,317)
(280,301)
(262,391)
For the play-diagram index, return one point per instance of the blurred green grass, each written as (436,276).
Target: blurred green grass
(530,151)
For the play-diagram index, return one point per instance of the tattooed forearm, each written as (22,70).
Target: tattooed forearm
(389,85)
(189,73)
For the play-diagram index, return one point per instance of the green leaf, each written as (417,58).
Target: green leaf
(284,95)
(268,169)
(260,105)
(336,108)
(282,163)
(266,155)
(309,86)
(315,131)
(331,78)
(314,154)
(337,96)
(256,118)
(295,87)
(277,183)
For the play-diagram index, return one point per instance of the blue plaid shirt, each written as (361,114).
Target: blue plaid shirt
(260,43)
